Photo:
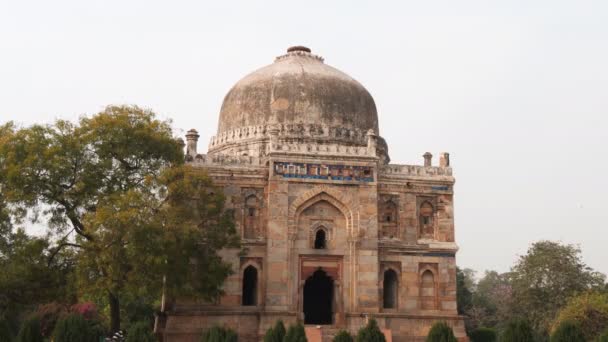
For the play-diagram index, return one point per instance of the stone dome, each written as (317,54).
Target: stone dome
(298,88)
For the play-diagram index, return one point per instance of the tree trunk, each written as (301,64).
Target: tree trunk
(114,313)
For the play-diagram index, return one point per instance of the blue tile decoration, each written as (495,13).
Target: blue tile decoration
(349,173)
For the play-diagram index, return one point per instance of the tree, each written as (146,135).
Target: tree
(483,335)
(441,332)
(295,333)
(464,286)
(544,279)
(30,331)
(219,334)
(370,333)
(140,332)
(343,336)
(74,328)
(490,302)
(568,332)
(518,330)
(113,188)
(603,337)
(588,310)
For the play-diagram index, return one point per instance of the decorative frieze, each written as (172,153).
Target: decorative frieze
(324,171)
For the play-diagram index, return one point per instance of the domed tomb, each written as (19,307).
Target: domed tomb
(302,98)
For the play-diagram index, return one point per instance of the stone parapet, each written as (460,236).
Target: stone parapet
(416,171)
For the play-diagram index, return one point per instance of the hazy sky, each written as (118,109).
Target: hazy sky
(516,91)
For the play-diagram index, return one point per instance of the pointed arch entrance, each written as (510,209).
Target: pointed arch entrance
(318,298)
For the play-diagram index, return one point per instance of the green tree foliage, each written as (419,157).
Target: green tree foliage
(295,333)
(116,181)
(568,332)
(464,286)
(30,331)
(603,337)
(140,332)
(74,328)
(518,330)
(370,333)
(219,334)
(589,310)
(441,332)
(483,335)
(544,279)
(343,336)
(6,335)
(28,277)
(491,301)
(276,333)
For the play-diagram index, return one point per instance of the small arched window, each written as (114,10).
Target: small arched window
(251,217)
(427,291)
(426,220)
(320,239)
(390,289)
(250,286)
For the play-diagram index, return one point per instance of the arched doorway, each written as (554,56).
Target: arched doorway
(250,286)
(318,298)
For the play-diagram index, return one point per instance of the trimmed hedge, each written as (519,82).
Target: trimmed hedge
(74,328)
(343,336)
(441,332)
(568,332)
(370,333)
(140,332)
(295,333)
(518,331)
(30,331)
(483,335)
(219,334)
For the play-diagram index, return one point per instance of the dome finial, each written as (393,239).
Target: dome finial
(299,48)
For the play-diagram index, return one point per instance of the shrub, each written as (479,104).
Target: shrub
(276,333)
(30,331)
(518,331)
(219,334)
(589,311)
(269,336)
(74,328)
(568,332)
(441,332)
(5,331)
(483,335)
(49,314)
(343,336)
(370,333)
(295,333)
(603,337)
(140,332)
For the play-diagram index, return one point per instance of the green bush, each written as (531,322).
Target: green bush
(5,331)
(518,331)
(603,337)
(140,332)
(219,334)
(483,335)
(295,333)
(74,328)
(370,333)
(343,336)
(588,310)
(275,334)
(30,331)
(441,332)
(568,332)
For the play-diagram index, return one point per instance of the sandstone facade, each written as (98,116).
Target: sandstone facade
(334,233)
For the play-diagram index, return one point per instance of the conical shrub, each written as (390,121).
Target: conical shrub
(517,331)
(219,334)
(483,335)
(441,332)
(343,336)
(30,331)
(295,333)
(74,328)
(568,332)
(370,333)
(140,332)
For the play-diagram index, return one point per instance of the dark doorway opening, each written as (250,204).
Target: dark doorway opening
(320,239)
(318,298)
(250,286)
(390,289)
